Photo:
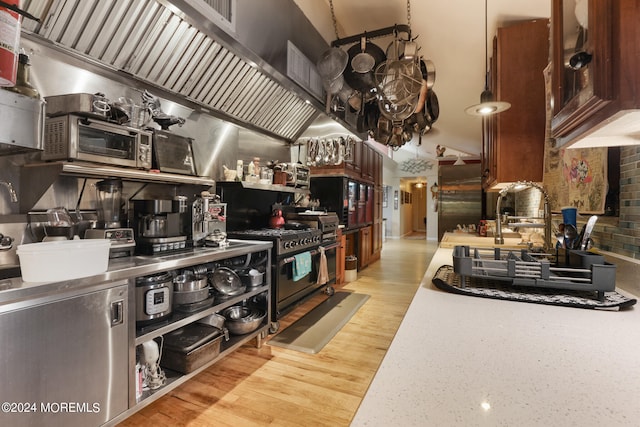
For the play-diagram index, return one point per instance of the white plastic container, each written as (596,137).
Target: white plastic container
(63,260)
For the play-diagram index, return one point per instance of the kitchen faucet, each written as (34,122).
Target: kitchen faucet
(12,192)
(499,240)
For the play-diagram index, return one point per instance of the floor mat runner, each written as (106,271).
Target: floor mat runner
(314,330)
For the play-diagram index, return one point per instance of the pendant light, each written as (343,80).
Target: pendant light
(487,105)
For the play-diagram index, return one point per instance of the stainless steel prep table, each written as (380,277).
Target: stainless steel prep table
(86,328)
(15,293)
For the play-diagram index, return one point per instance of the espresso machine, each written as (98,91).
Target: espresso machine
(158,226)
(209,221)
(109,201)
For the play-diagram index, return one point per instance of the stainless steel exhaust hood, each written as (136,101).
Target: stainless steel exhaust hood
(176,48)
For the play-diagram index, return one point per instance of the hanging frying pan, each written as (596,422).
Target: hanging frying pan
(363,81)
(428,70)
(433,107)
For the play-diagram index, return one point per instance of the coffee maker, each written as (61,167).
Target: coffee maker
(157,223)
(208,221)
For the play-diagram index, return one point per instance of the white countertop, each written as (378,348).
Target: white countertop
(458,360)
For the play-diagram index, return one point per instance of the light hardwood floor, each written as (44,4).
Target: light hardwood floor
(280,387)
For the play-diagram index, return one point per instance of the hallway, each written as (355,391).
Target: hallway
(280,387)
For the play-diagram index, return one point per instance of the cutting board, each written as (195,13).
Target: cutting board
(449,240)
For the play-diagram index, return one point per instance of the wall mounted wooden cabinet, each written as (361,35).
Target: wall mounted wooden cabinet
(596,68)
(513,141)
(365,170)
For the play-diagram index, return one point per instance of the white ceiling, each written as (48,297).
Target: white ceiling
(451,34)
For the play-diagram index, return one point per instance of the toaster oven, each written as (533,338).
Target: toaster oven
(73,137)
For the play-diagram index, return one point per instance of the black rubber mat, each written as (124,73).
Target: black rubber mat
(448,280)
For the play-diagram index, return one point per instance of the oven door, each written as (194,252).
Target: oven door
(104,142)
(173,153)
(288,292)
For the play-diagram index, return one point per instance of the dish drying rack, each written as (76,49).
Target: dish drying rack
(573,269)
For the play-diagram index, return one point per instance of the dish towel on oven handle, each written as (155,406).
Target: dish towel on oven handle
(323,271)
(301,265)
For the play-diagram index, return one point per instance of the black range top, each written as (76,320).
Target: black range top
(284,241)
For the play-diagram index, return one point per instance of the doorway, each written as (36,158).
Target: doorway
(419,199)
(413,208)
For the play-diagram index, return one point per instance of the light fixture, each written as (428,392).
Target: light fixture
(459,162)
(419,185)
(487,105)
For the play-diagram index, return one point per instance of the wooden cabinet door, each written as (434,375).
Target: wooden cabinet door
(580,93)
(364,254)
(515,137)
(355,164)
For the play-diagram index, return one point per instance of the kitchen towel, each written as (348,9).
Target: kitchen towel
(323,271)
(301,265)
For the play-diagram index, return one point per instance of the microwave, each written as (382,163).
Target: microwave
(72,137)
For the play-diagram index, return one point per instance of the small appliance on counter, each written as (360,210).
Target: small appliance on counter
(123,242)
(157,226)
(173,153)
(76,137)
(109,196)
(209,221)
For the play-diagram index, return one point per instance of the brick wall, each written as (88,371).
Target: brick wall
(622,235)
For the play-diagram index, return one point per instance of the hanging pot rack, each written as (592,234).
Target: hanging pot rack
(383,32)
(397,96)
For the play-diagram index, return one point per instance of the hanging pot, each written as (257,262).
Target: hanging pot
(432,107)
(333,86)
(363,81)
(428,70)
(332,63)
(410,50)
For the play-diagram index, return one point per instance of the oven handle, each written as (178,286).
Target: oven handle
(313,252)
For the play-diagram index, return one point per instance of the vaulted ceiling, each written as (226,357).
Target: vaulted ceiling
(451,34)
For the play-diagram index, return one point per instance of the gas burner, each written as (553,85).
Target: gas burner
(284,241)
(275,232)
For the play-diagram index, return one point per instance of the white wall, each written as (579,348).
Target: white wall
(391,176)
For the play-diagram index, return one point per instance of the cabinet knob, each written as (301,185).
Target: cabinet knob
(580,60)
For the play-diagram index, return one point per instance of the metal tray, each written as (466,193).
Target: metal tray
(86,104)
(190,347)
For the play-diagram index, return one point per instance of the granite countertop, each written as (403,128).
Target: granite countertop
(458,360)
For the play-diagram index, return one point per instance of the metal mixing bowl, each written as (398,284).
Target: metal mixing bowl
(247,320)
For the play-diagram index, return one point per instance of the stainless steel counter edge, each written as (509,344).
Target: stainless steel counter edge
(15,293)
